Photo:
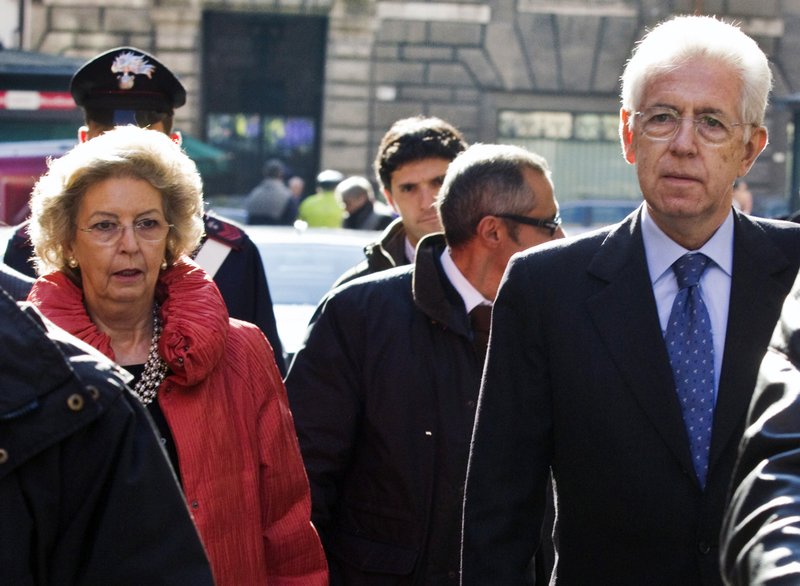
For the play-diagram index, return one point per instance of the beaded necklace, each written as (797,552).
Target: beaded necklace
(155,369)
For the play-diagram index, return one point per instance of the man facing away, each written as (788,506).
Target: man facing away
(128,86)
(88,494)
(410,165)
(596,369)
(761,532)
(383,392)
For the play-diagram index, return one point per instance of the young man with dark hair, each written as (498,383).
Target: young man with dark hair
(411,164)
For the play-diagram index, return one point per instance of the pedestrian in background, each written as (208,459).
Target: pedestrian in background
(322,209)
(270,202)
(623,360)
(358,199)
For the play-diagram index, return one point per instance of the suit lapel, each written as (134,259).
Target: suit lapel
(757,294)
(625,315)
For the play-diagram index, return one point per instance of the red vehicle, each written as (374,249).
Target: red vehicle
(21,164)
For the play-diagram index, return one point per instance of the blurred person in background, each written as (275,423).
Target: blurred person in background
(358,199)
(297,186)
(129,86)
(410,165)
(384,389)
(270,202)
(113,221)
(88,494)
(322,209)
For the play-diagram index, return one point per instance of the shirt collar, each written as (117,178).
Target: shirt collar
(661,251)
(471,296)
(411,252)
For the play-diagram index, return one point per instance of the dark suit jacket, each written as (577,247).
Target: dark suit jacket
(760,542)
(578,378)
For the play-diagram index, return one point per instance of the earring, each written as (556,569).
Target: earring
(164,264)
(72,262)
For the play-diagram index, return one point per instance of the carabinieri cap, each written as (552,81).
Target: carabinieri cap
(127,78)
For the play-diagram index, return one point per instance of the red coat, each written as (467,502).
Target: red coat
(227,409)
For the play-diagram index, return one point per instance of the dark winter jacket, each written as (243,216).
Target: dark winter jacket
(87,494)
(389,251)
(383,396)
(760,536)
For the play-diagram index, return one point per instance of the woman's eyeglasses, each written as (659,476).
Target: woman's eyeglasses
(108,232)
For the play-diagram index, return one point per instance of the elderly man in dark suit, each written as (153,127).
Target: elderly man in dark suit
(610,366)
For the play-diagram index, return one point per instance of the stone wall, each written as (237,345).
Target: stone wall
(460,59)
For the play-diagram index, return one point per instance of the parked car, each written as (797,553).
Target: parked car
(301,265)
(584,215)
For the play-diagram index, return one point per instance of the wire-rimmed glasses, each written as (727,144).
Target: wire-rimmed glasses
(108,232)
(711,129)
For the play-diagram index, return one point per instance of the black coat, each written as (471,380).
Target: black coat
(86,493)
(366,391)
(761,534)
(578,379)
(388,252)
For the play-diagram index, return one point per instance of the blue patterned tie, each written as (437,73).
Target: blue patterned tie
(691,353)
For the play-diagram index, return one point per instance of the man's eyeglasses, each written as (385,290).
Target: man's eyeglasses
(551,225)
(108,232)
(710,129)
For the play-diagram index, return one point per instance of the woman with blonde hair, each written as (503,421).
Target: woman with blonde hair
(113,223)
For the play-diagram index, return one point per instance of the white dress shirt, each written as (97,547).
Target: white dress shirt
(471,296)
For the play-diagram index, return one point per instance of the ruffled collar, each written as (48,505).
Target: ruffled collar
(193,313)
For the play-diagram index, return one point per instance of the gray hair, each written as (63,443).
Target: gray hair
(486,179)
(683,38)
(354,187)
(126,151)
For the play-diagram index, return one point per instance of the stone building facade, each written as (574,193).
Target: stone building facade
(500,70)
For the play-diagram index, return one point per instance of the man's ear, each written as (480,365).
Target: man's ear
(390,200)
(753,147)
(489,230)
(626,136)
(83,133)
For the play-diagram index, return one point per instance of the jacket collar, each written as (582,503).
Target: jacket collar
(391,247)
(433,293)
(192,310)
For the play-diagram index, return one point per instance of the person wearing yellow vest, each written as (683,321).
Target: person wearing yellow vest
(322,209)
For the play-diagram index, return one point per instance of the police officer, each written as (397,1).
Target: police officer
(128,86)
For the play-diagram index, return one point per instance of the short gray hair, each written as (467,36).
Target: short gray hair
(486,179)
(355,186)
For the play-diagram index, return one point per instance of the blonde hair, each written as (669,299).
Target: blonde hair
(125,151)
